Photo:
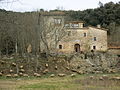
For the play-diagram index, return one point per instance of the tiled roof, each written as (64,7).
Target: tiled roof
(75,22)
(99,28)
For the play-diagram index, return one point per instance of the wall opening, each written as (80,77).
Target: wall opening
(60,46)
(95,39)
(94,47)
(77,47)
(85,34)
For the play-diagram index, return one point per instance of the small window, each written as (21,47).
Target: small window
(85,35)
(69,33)
(95,39)
(74,25)
(57,21)
(60,46)
(67,25)
(94,47)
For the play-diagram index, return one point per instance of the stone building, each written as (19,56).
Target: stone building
(71,36)
(82,39)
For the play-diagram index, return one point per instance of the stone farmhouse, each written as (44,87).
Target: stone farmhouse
(76,38)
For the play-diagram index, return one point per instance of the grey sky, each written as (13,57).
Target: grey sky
(30,5)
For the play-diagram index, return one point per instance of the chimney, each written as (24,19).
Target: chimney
(98,26)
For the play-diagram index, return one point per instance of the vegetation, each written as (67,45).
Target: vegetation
(107,15)
(79,82)
(20,30)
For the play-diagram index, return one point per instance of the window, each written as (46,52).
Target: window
(85,35)
(94,47)
(67,25)
(95,39)
(60,46)
(69,33)
(57,21)
(74,25)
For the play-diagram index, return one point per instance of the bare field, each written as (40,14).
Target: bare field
(79,82)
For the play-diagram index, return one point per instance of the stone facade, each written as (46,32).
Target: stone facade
(82,39)
(71,37)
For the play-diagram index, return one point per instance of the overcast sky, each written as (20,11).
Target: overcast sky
(31,5)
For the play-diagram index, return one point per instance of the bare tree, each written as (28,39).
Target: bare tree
(50,35)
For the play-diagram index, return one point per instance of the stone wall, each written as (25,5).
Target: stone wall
(95,62)
(86,42)
(101,39)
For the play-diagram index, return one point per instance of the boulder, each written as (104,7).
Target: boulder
(8,75)
(56,67)
(2,62)
(61,75)
(14,64)
(15,75)
(37,75)
(21,74)
(11,71)
(91,77)
(45,71)
(73,75)
(25,75)
(1,74)
(115,78)
(52,75)
(22,70)
(80,72)
(46,65)
(21,67)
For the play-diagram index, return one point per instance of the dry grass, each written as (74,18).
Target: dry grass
(80,82)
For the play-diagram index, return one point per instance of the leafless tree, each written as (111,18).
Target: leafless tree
(50,35)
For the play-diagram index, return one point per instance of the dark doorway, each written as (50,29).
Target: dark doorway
(77,48)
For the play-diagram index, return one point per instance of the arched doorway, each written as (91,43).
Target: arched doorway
(77,47)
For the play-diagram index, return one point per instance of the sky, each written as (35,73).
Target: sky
(34,5)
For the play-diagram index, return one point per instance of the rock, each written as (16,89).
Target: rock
(11,71)
(101,78)
(15,75)
(56,67)
(21,67)
(98,72)
(115,78)
(74,70)
(73,75)
(91,77)
(25,75)
(37,75)
(80,72)
(1,74)
(46,65)
(105,76)
(2,62)
(111,71)
(8,75)
(52,75)
(14,64)
(22,70)
(67,68)
(61,75)
(21,74)
(45,71)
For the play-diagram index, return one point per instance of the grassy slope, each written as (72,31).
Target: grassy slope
(80,82)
